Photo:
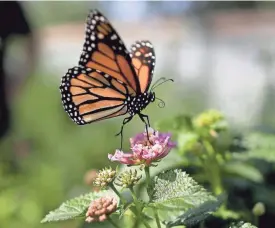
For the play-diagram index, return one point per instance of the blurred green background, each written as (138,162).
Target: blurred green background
(220,54)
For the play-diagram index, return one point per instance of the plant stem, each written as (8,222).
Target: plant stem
(112,222)
(133,194)
(146,224)
(256,220)
(213,168)
(111,185)
(157,218)
(139,210)
(147,174)
(209,148)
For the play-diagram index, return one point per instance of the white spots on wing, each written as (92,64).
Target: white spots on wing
(137,53)
(102,18)
(92,27)
(93,22)
(92,37)
(114,47)
(100,36)
(93,45)
(89,48)
(113,37)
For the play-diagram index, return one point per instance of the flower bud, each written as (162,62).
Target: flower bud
(258,209)
(100,208)
(208,118)
(128,179)
(105,177)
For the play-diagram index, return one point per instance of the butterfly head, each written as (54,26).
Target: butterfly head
(152,96)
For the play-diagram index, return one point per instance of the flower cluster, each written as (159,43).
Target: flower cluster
(100,208)
(208,118)
(105,177)
(128,179)
(146,149)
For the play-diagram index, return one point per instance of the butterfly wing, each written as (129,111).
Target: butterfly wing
(105,51)
(90,95)
(143,60)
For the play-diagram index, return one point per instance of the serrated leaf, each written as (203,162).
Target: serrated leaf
(195,215)
(242,225)
(173,184)
(244,170)
(260,146)
(73,208)
(173,192)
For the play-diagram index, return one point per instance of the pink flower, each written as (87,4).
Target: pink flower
(145,151)
(100,208)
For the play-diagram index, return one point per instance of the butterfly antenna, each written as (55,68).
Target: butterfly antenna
(157,81)
(165,80)
(161,104)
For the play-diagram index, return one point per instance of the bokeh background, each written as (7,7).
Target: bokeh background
(220,54)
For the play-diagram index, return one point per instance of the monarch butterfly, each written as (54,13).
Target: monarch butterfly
(109,80)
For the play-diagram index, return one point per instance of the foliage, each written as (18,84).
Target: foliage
(73,208)
(242,225)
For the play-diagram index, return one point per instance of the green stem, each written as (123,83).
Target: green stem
(213,168)
(256,220)
(138,208)
(147,174)
(146,224)
(209,148)
(112,222)
(111,185)
(133,194)
(157,217)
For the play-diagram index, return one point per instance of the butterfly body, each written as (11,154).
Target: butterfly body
(136,104)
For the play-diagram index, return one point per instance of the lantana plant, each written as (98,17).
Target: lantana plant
(132,196)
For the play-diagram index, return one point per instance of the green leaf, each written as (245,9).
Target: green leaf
(244,170)
(73,208)
(260,146)
(174,184)
(242,225)
(174,192)
(187,141)
(197,214)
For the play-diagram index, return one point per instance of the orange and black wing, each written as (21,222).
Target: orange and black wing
(90,95)
(105,51)
(143,60)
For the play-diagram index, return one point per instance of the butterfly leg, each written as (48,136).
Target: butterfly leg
(147,118)
(147,124)
(125,121)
